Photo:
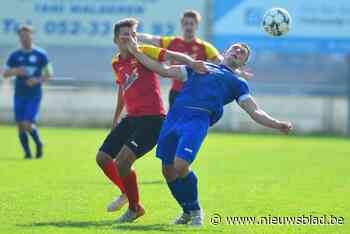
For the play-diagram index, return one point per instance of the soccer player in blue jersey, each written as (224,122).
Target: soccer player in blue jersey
(197,107)
(31,67)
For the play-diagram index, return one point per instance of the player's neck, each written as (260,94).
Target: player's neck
(232,67)
(124,54)
(27,48)
(189,38)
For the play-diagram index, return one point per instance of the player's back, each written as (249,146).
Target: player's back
(213,90)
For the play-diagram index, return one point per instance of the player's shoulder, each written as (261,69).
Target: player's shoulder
(147,47)
(170,38)
(115,59)
(40,51)
(15,53)
(203,42)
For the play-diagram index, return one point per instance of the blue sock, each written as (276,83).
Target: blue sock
(23,137)
(190,187)
(176,189)
(35,135)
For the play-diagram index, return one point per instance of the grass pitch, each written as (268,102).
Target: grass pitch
(239,175)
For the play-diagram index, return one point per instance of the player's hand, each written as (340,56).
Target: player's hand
(130,42)
(20,71)
(199,67)
(32,82)
(285,127)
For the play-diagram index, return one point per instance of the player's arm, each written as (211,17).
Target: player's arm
(119,108)
(260,116)
(145,38)
(177,72)
(47,74)
(196,65)
(16,71)
(11,70)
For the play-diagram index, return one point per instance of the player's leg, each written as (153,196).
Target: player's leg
(19,111)
(172,96)
(104,158)
(142,141)
(31,115)
(166,150)
(192,136)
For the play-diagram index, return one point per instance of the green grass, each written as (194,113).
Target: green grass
(240,175)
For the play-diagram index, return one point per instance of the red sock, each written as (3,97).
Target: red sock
(111,172)
(132,190)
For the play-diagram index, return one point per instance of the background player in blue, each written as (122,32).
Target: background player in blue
(31,67)
(198,106)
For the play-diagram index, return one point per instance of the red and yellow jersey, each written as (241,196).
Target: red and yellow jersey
(140,86)
(197,49)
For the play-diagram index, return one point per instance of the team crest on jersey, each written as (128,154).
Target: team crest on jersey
(195,48)
(32,59)
(130,79)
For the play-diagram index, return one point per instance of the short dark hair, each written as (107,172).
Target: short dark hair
(25,28)
(192,14)
(127,22)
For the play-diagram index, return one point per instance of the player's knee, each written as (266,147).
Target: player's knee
(182,167)
(102,159)
(21,127)
(27,126)
(124,160)
(169,172)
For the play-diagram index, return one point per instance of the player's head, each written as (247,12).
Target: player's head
(189,22)
(237,55)
(124,27)
(25,33)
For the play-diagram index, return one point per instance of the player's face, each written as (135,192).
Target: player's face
(236,55)
(26,39)
(189,27)
(125,31)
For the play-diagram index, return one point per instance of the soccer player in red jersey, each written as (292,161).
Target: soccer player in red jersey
(188,44)
(137,133)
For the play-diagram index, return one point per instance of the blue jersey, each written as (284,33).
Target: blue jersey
(34,61)
(212,91)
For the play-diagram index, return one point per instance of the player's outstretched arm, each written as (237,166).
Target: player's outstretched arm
(148,39)
(175,72)
(196,65)
(261,117)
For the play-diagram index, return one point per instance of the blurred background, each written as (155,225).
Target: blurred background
(303,77)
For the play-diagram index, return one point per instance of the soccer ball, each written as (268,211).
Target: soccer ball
(277,21)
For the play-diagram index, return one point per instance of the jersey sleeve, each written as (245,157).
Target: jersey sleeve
(243,90)
(10,62)
(165,41)
(153,52)
(211,51)
(47,66)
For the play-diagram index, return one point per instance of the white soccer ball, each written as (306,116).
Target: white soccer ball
(277,21)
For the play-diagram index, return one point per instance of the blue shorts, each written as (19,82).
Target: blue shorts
(182,134)
(26,108)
